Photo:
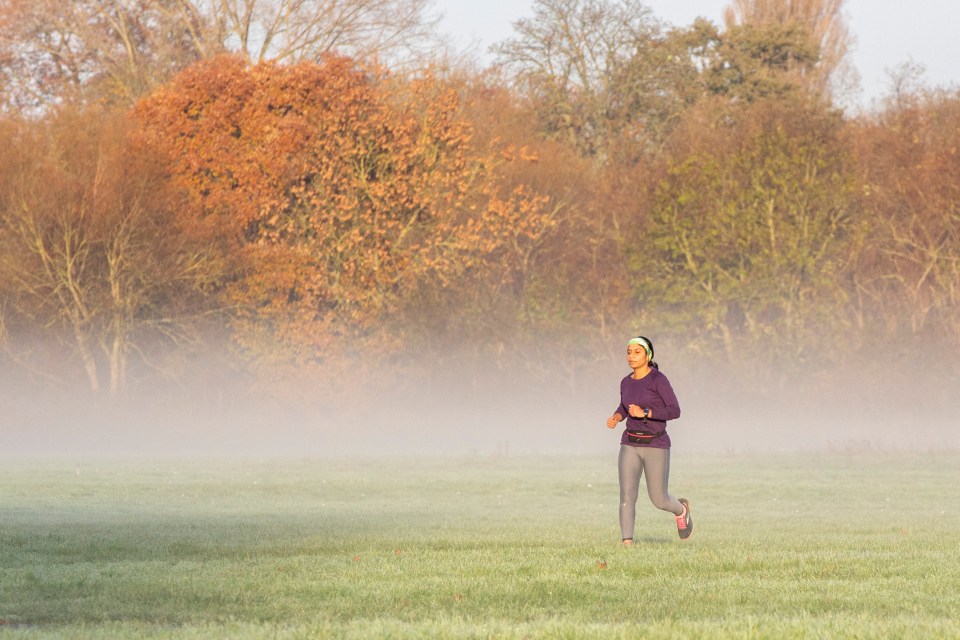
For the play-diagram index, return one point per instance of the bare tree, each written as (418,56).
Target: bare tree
(90,249)
(117,50)
(296,30)
(909,160)
(569,56)
(111,50)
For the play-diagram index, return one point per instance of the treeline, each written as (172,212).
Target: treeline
(331,196)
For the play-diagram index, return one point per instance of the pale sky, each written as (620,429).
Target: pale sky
(887,33)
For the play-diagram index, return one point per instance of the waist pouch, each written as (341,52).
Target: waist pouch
(636,436)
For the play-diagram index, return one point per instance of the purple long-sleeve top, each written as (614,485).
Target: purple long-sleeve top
(652,391)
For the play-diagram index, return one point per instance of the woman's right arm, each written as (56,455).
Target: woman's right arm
(619,413)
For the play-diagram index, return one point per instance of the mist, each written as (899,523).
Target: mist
(461,404)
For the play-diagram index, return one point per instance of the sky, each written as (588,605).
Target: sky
(887,33)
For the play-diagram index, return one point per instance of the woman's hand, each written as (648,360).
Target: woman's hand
(614,420)
(637,412)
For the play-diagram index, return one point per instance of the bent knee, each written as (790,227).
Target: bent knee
(664,503)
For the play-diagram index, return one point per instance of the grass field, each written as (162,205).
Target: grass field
(785,546)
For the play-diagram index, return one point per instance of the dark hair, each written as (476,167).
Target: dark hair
(650,342)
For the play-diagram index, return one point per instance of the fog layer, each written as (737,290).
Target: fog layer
(462,408)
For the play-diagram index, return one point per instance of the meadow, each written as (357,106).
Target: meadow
(790,545)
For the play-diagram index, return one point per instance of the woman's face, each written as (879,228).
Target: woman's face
(636,356)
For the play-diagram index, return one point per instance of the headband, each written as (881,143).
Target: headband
(644,344)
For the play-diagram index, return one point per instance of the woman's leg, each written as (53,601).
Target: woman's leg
(656,462)
(630,466)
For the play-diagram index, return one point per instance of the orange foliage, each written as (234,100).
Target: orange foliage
(341,192)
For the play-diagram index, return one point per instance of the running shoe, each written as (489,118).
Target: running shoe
(684,520)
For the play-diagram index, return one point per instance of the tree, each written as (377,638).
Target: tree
(306,30)
(604,77)
(910,273)
(91,248)
(750,232)
(93,50)
(567,57)
(654,87)
(119,50)
(765,62)
(346,195)
(821,22)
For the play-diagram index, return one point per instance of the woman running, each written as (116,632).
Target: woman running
(647,401)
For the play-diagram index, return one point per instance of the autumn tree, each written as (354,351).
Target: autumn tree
(567,286)
(344,192)
(750,232)
(91,253)
(910,275)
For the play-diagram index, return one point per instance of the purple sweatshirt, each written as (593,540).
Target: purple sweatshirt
(653,391)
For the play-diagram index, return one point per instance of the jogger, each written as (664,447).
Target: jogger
(647,401)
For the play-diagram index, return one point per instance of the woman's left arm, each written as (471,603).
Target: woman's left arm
(671,406)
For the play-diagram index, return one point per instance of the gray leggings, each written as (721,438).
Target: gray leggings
(632,463)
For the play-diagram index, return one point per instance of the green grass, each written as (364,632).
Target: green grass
(786,546)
